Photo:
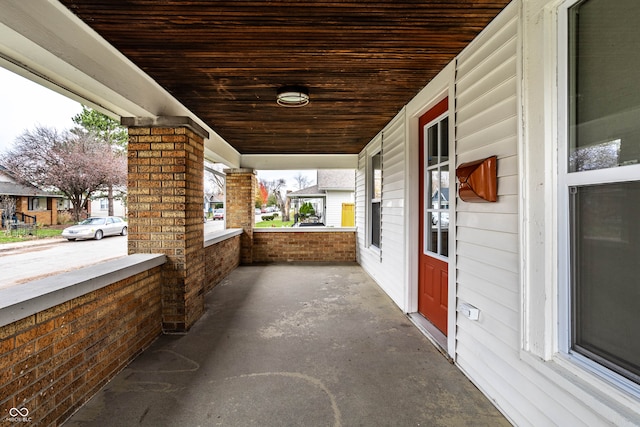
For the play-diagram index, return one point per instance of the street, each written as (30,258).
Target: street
(26,262)
(30,262)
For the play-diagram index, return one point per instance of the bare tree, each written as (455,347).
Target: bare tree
(214,182)
(8,208)
(302,181)
(275,187)
(75,165)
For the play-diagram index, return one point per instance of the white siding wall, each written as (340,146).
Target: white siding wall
(487,266)
(490,351)
(386,266)
(335,199)
(497,91)
(118,209)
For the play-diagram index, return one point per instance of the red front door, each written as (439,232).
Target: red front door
(433,276)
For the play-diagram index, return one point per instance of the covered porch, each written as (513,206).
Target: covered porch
(295,344)
(399,91)
(208,342)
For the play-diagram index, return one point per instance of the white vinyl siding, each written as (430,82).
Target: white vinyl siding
(487,249)
(488,239)
(500,96)
(386,265)
(334,200)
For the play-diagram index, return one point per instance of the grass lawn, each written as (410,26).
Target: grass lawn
(40,233)
(274,223)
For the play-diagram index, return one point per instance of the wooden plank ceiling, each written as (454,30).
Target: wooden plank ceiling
(225,60)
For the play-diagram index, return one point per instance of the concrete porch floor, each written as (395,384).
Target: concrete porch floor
(293,345)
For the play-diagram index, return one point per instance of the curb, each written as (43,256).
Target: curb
(5,247)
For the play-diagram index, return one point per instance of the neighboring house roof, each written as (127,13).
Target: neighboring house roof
(312,191)
(328,180)
(445,195)
(13,189)
(336,179)
(10,187)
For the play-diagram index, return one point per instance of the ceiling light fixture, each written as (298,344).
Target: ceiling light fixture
(293,96)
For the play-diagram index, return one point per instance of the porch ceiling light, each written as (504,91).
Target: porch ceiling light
(293,96)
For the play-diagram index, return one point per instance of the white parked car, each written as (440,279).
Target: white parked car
(96,228)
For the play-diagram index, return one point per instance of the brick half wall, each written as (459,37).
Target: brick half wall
(304,246)
(53,361)
(220,259)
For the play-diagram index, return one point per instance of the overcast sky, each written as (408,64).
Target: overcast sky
(25,105)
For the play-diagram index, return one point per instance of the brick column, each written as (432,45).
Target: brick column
(165,204)
(242,185)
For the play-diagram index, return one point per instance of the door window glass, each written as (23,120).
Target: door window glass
(436,211)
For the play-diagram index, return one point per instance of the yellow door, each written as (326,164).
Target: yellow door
(348,214)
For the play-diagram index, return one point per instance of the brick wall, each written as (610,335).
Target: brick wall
(298,246)
(220,260)
(241,187)
(53,361)
(22,204)
(165,191)
(44,217)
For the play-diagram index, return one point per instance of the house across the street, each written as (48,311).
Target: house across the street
(332,198)
(32,205)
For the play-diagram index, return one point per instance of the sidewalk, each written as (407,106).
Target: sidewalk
(4,247)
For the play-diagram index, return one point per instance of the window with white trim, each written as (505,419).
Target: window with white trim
(600,189)
(436,176)
(376,199)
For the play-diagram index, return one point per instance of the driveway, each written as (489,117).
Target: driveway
(27,261)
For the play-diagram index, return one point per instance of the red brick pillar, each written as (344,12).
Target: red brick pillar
(165,205)
(242,185)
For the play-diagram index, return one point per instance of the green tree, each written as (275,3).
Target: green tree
(307,210)
(102,126)
(108,130)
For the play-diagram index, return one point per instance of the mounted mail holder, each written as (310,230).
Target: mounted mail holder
(478,180)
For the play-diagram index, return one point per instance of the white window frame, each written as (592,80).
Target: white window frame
(371,199)
(565,180)
(543,248)
(427,177)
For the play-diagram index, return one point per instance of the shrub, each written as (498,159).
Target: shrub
(267,217)
(64,218)
(307,210)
